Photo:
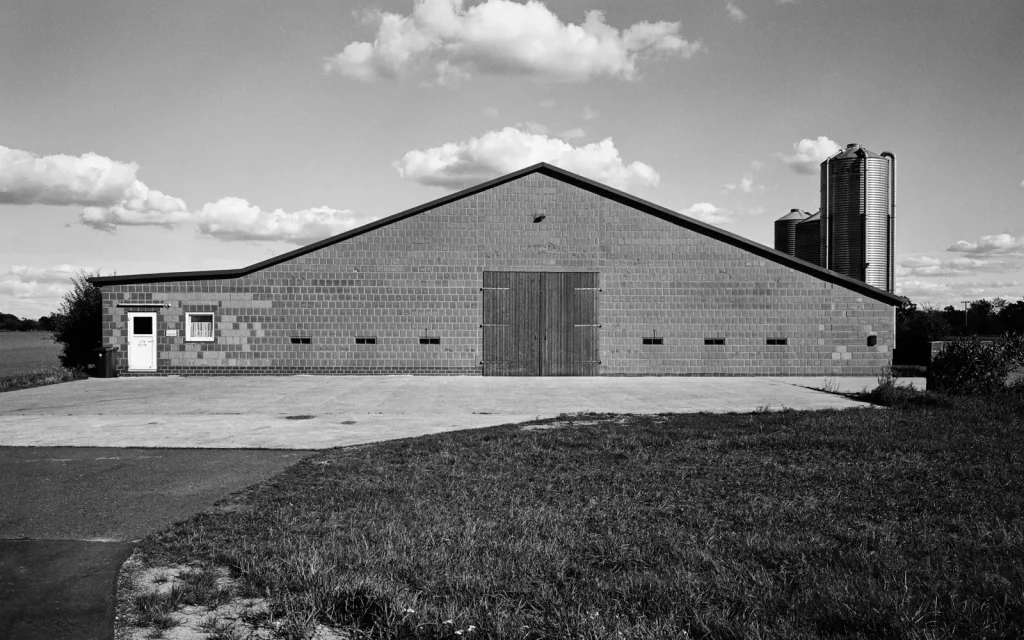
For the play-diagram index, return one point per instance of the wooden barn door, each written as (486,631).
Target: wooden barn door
(539,324)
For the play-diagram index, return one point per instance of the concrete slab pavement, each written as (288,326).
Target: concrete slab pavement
(312,412)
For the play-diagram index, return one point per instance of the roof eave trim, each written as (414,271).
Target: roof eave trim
(547,169)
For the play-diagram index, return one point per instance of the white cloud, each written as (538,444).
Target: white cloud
(1022,184)
(89,179)
(1001,243)
(953,292)
(139,206)
(589,114)
(547,103)
(745,185)
(809,154)
(109,190)
(735,12)
(924,266)
(60,274)
(532,127)
(709,213)
(495,153)
(503,37)
(236,219)
(491,112)
(18,289)
(572,134)
(40,283)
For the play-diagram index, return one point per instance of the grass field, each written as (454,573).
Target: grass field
(26,351)
(897,523)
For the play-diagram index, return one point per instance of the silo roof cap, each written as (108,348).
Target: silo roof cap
(794,214)
(814,218)
(854,150)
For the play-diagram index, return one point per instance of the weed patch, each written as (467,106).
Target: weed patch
(53,375)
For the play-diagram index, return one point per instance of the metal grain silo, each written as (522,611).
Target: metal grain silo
(785,231)
(857,215)
(808,239)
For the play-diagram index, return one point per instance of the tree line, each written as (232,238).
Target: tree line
(9,322)
(917,326)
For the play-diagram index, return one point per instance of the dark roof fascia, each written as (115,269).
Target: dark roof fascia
(729,238)
(143,278)
(552,171)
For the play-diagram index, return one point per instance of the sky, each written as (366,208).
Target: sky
(141,137)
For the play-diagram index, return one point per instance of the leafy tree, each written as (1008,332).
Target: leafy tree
(915,329)
(78,325)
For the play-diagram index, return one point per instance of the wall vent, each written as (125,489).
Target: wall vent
(714,340)
(654,340)
(366,340)
(778,341)
(301,340)
(430,340)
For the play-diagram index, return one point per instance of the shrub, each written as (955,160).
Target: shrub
(967,366)
(78,325)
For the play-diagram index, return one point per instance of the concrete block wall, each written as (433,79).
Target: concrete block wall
(421,276)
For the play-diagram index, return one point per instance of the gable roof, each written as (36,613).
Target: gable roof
(549,170)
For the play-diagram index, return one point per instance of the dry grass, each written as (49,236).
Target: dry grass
(53,375)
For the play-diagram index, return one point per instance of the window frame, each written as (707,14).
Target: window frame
(188,326)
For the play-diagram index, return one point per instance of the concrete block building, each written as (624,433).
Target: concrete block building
(539,272)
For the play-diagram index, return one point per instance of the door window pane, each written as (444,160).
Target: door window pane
(142,325)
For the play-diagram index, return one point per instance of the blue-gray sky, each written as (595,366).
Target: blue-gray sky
(161,136)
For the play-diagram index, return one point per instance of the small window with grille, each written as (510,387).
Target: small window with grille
(430,340)
(714,340)
(366,340)
(777,341)
(653,340)
(302,340)
(199,327)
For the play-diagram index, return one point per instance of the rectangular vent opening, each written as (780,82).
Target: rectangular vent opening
(777,341)
(430,340)
(366,340)
(714,340)
(654,340)
(301,340)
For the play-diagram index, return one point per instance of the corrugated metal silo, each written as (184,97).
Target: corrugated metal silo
(808,239)
(785,231)
(857,215)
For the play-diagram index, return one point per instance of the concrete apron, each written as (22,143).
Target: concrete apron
(314,412)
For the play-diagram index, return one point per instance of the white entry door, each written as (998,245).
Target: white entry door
(142,342)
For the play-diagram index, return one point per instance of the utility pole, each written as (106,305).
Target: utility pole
(965,303)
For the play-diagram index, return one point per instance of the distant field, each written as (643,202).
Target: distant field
(24,351)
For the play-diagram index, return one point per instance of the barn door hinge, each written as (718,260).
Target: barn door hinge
(587,289)
(494,325)
(494,288)
(588,362)
(494,362)
(586,325)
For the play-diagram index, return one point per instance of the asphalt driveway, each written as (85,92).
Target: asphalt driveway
(69,516)
(314,412)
